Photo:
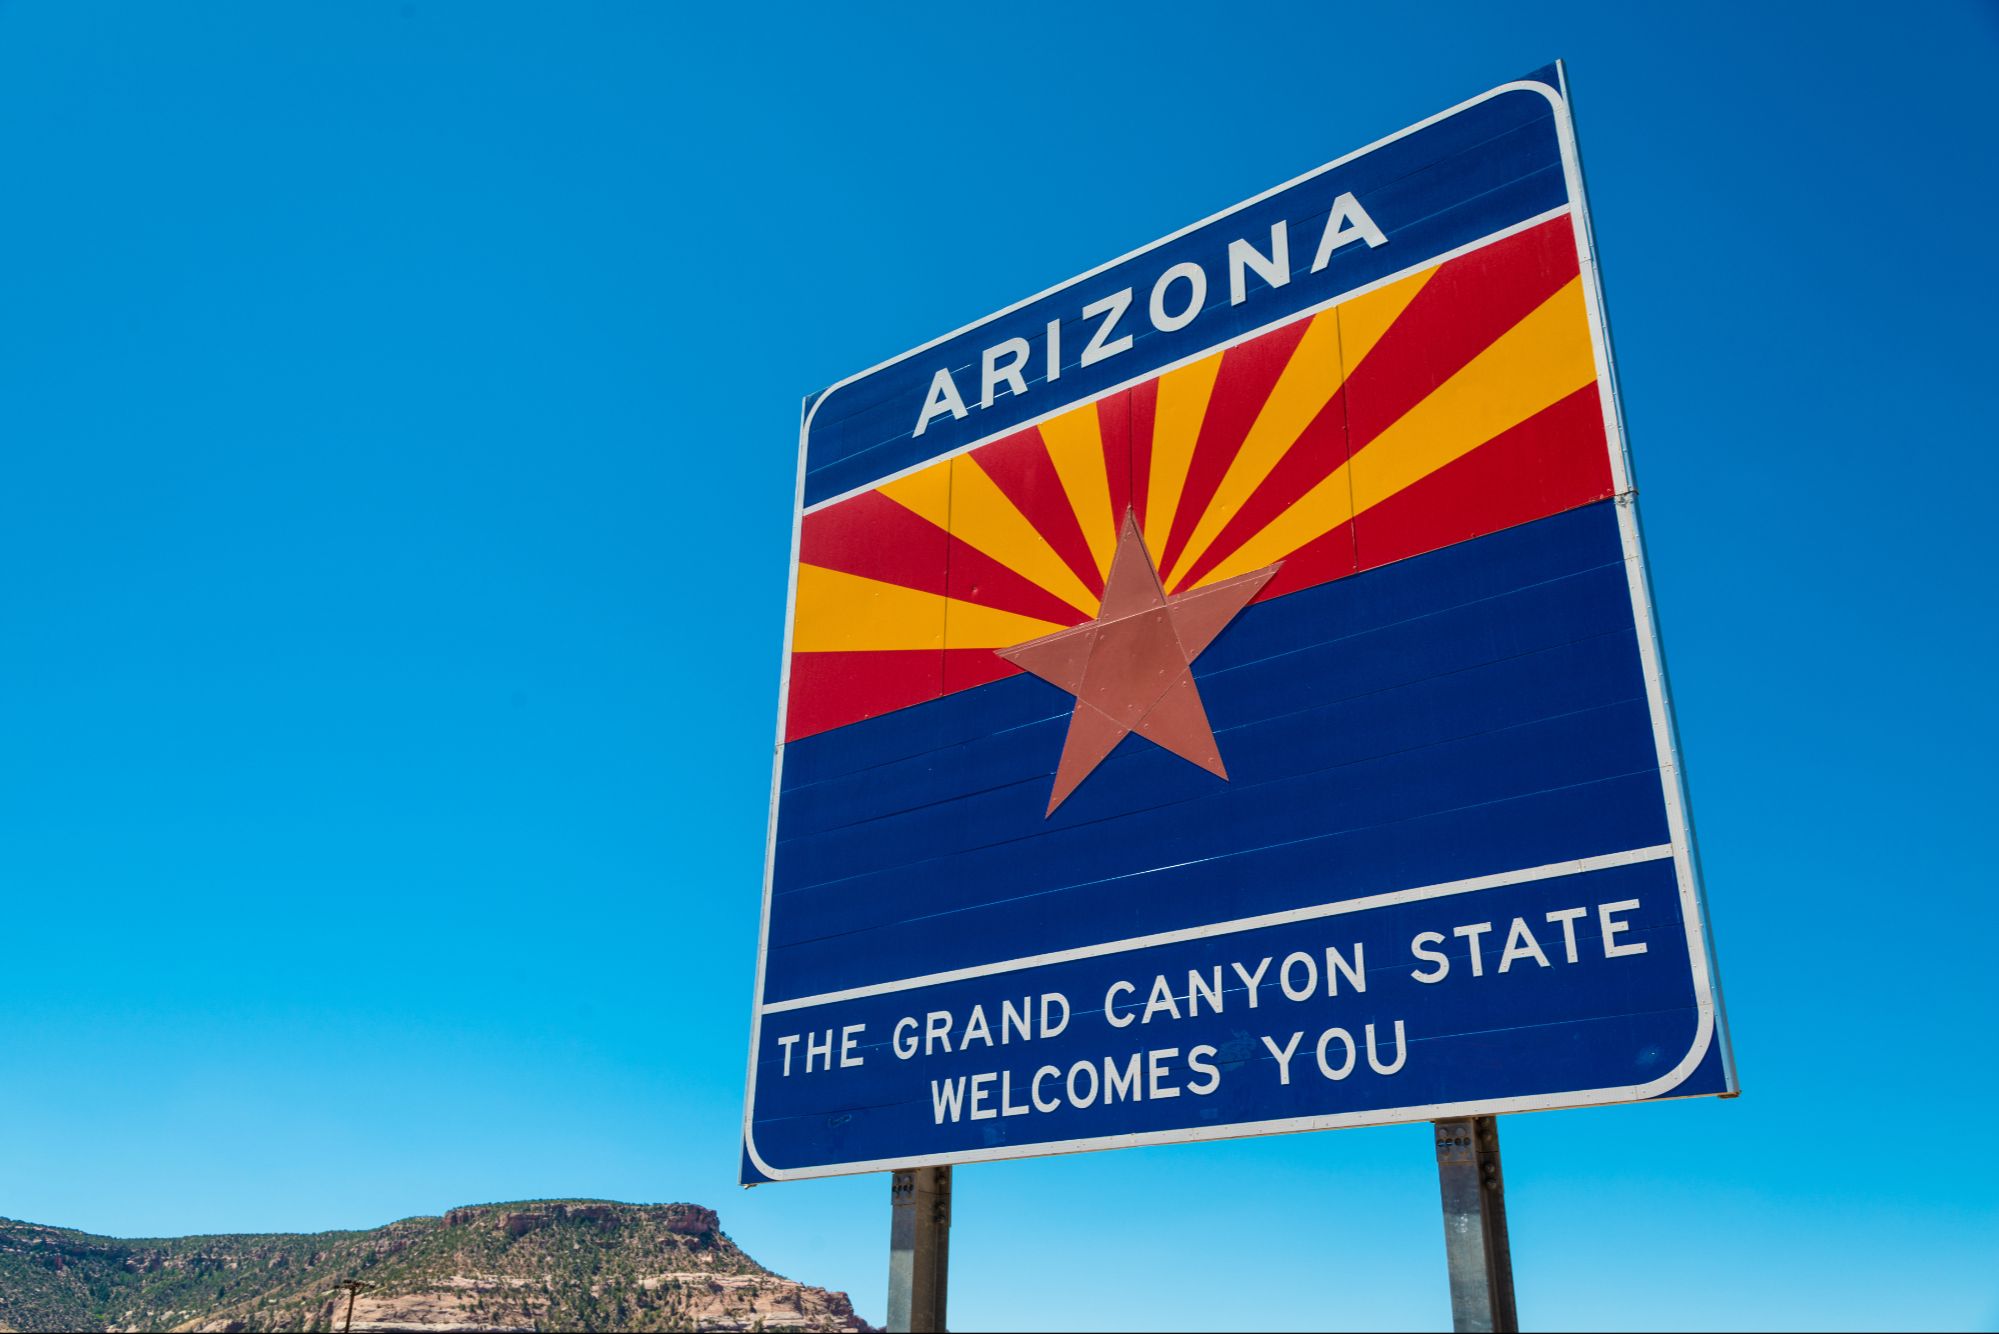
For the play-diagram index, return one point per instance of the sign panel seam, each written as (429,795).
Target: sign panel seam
(1551,871)
(1702,1006)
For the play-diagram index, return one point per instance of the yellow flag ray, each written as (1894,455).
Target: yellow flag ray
(846,613)
(960,498)
(1176,426)
(926,493)
(1076,447)
(1538,362)
(1335,342)
(982,516)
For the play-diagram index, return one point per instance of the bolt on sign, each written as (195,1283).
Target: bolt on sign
(1222,696)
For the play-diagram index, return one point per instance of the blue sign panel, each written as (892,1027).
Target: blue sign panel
(1222,696)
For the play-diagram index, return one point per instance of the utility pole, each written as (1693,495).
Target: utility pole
(354,1287)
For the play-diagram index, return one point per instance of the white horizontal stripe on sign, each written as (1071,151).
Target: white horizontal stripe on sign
(1548,872)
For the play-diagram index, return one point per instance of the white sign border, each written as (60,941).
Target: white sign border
(1707,988)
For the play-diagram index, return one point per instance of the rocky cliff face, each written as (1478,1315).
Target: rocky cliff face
(535,1265)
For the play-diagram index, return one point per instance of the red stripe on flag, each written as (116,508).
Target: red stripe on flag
(1248,373)
(1470,302)
(977,577)
(1319,561)
(830,690)
(1020,467)
(1320,448)
(1114,424)
(1555,460)
(872,536)
(968,667)
(1144,411)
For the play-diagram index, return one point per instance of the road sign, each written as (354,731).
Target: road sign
(1222,697)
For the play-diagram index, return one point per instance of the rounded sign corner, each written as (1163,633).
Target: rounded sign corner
(1323,499)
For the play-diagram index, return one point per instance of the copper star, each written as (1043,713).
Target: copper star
(1131,669)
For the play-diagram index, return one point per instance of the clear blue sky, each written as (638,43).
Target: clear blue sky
(398,408)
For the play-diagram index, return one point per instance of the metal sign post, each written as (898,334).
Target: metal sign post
(919,1249)
(1475,1244)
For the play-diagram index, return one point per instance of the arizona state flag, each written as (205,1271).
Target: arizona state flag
(1337,620)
